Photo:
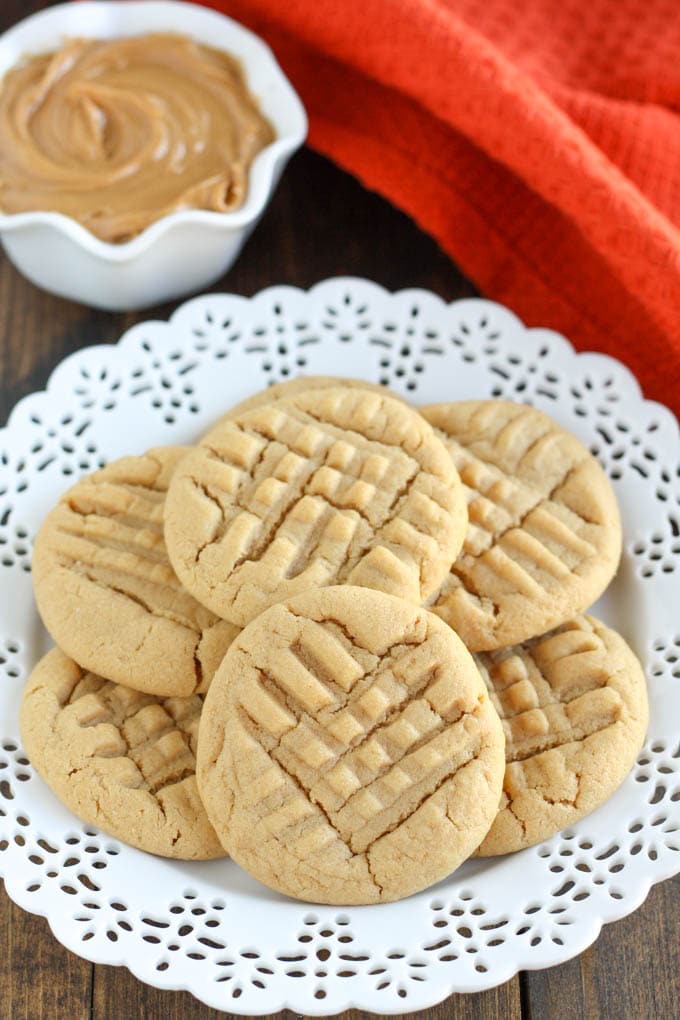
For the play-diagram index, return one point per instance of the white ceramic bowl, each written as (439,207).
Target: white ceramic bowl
(182,252)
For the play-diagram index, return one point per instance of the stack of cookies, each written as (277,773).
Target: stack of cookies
(339,640)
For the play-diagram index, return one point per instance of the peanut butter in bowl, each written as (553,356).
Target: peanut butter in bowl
(118,133)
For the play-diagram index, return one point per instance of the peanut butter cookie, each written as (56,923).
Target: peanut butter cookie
(574,711)
(544,537)
(348,751)
(119,759)
(105,588)
(328,486)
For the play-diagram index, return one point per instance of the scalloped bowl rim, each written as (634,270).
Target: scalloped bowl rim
(261,171)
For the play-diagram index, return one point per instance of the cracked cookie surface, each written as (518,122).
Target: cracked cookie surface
(364,760)
(574,709)
(121,760)
(300,384)
(330,486)
(106,590)
(544,534)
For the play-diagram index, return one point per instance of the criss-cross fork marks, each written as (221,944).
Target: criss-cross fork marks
(144,742)
(542,520)
(352,757)
(296,495)
(110,532)
(519,538)
(552,691)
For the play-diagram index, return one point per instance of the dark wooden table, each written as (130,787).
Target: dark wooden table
(321,223)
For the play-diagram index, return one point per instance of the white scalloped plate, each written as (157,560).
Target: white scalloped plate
(208,927)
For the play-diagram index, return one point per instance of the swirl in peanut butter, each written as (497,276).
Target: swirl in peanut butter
(118,133)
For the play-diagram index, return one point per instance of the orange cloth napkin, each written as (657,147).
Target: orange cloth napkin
(539,142)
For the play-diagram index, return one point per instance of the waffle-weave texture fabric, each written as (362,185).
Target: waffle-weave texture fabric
(537,142)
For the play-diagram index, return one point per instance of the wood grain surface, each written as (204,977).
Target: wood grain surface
(321,223)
